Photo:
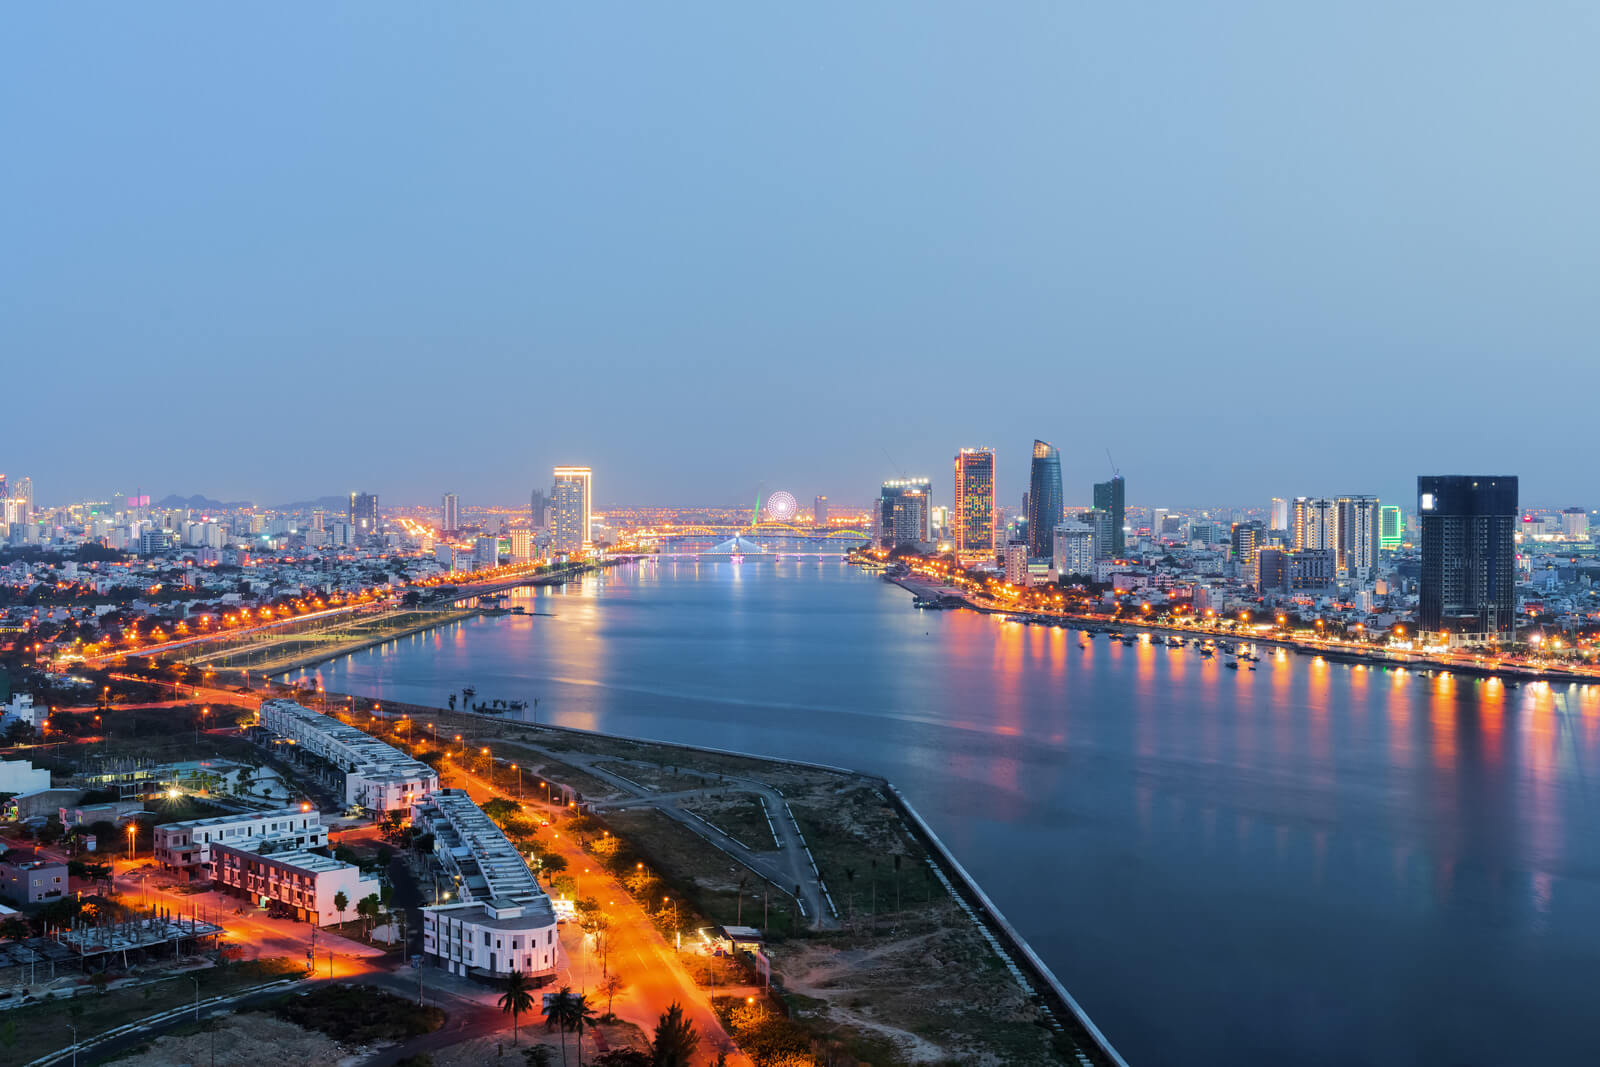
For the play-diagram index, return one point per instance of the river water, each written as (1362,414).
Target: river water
(1310,863)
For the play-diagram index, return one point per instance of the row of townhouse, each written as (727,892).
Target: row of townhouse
(377,776)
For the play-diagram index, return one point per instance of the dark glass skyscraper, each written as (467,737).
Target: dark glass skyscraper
(1108,497)
(1468,539)
(1044,500)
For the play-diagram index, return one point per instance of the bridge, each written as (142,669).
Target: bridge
(781,539)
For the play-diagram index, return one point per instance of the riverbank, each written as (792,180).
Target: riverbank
(1471,667)
(919,961)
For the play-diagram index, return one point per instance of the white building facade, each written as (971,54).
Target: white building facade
(377,776)
(187,845)
(304,881)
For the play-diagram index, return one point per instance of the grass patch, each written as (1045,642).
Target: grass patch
(358,1013)
(741,816)
(31,1031)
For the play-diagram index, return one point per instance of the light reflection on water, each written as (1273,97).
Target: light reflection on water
(1224,866)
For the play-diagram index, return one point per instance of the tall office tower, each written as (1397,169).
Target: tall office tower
(974,518)
(570,508)
(1109,497)
(1358,534)
(1158,523)
(1279,517)
(940,521)
(1391,527)
(1468,540)
(1272,570)
(1299,515)
(819,511)
(1248,537)
(1575,524)
(537,508)
(1073,551)
(364,512)
(1098,521)
(452,516)
(485,553)
(1044,499)
(905,512)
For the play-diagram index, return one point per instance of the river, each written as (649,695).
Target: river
(1309,863)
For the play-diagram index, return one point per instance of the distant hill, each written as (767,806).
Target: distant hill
(199,502)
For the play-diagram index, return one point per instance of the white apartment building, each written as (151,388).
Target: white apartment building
(377,776)
(187,845)
(304,881)
(502,920)
(1073,549)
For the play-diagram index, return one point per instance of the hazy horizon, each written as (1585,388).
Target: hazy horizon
(1253,250)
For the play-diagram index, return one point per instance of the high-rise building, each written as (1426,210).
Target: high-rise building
(905,512)
(1158,523)
(1272,570)
(1315,523)
(1044,499)
(538,509)
(1575,524)
(1278,514)
(1468,537)
(364,512)
(1391,527)
(452,516)
(974,518)
(570,508)
(1073,550)
(819,511)
(1248,538)
(1098,520)
(521,545)
(1110,498)
(1358,534)
(1017,562)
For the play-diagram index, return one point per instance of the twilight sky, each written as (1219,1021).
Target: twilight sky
(1256,249)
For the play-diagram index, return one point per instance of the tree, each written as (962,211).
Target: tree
(611,985)
(581,1015)
(539,1056)
(340,902)
(624,1057)
(517,998)
(369,908)
(556,1013)
(15,929)
(554,865)
(676,1039)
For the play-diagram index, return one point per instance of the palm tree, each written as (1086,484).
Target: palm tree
(556,1015)
(517,999)
(340,902)
(676,1039)
(581,1014)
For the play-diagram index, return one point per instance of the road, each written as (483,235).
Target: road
(638,952)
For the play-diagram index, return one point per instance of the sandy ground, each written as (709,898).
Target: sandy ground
(248,1040)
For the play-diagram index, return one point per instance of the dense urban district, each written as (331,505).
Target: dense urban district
(201,860)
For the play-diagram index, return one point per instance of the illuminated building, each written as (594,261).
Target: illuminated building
(364,512)
(819,511)
(521,545)
(1044,499)
(486,553)
(904,512)
(1391,527)
(974,506)
(1248,538)
(452,514)
(1575,524)
(1468,538)
(1110,498)
(1278,519)
(1358,534)
(1073,551)
(1315,523)
(570,508)
(1017,562)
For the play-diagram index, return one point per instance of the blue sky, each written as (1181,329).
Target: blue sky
(1256,249)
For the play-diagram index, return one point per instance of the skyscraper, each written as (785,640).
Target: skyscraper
(1358,534)
(1109,497)
(1044,499)
(1315,523)
(538,506)
(1098,520)
(1073,550)
(451,518)
(819,511)
(1391,527)
(570,506)
(364,512)
(1278,519)
(974,506)
(1468,538)
(904,507)
(1575,524)
(1248,538)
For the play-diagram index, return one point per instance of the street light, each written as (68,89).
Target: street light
(133,828)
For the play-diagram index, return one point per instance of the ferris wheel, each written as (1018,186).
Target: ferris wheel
(781,506)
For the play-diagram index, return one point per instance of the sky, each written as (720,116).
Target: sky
(270,252)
